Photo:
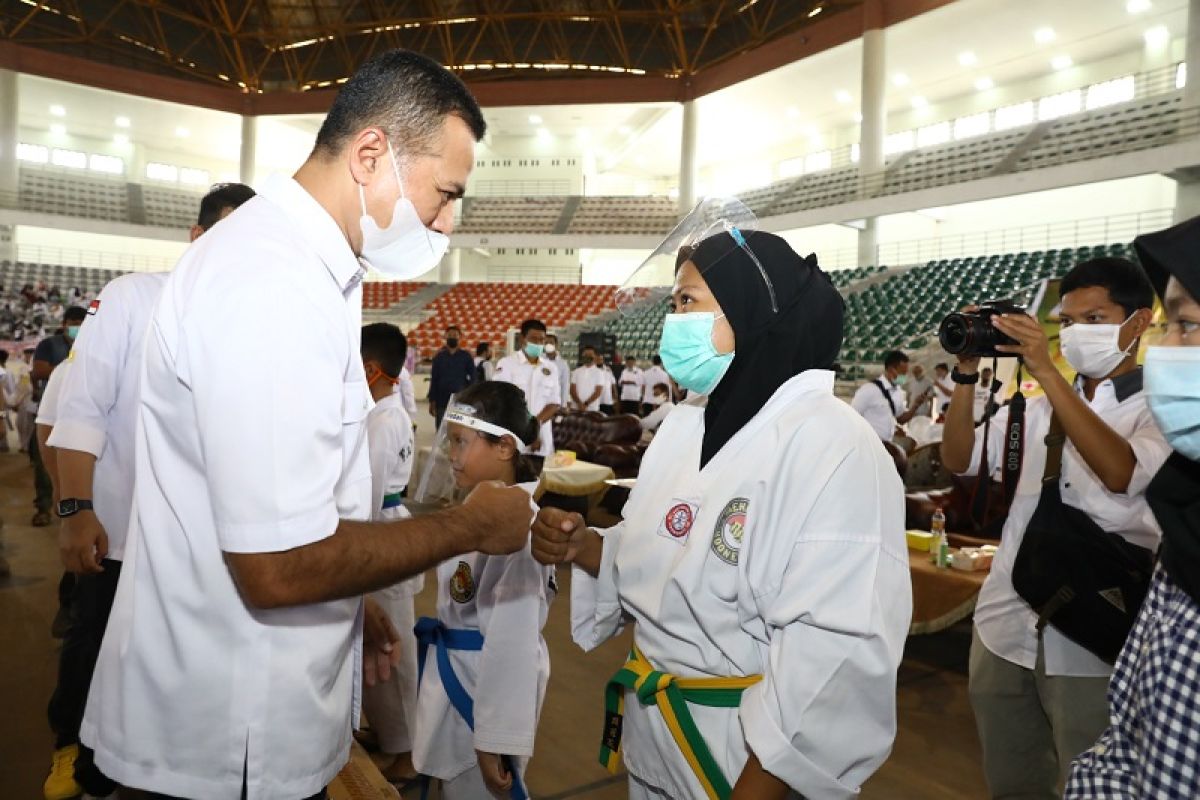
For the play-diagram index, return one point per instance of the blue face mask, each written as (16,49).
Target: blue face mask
(534,350)
(1172,378)
(688,354)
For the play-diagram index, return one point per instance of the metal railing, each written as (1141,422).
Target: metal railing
(1051,235)
(93,259)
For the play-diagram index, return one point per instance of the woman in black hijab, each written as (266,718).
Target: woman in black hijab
(761,556)
(1152,747)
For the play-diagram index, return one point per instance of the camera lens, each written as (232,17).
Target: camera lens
(955,333)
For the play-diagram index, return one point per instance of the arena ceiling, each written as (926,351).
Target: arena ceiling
(297,45)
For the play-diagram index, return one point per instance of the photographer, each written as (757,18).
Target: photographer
(1039,699)
(882,402)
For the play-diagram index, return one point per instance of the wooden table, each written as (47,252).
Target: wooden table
(941,597)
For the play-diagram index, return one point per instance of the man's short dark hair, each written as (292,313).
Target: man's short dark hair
(532,325)
(1125,281)
(406,94)
(220,197)
(894,358)
(74,314)
(482,348)
(383,342)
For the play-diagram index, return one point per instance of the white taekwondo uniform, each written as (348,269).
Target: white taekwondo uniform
(539,382)
(247,442)
(506,598)
(783,557)
(391,705)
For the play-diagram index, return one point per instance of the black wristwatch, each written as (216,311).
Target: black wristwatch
(963,380)
(72,506)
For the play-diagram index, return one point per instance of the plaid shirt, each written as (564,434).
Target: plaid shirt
(1152,747)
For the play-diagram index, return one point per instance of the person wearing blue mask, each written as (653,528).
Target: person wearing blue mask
(1152,745)
(534,373)
(50,352)
(883,402)
(761,556)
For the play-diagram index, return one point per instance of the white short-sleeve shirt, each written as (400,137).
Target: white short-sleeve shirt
(586,380)
(539,382)
(98,407)
(869,401)
(47,413)
(1006,624)
(250,438)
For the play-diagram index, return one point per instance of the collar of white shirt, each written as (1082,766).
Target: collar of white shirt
(316,225)
(1119,389)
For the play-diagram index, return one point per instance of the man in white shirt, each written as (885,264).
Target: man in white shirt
(529,370)
(231,663)
(633,387)
(93,442)
(882,402)
(983,395)
(484,369)
(655,418)
(560,366)
(587,383)
(1039,697)
(943,389)
(654,375)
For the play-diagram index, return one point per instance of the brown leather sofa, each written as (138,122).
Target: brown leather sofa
(612,441)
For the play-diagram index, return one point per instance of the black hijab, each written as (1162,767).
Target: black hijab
(1174,494)
(771,347)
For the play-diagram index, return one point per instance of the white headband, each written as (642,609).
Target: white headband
(461,415)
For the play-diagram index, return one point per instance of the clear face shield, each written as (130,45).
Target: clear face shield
(447,476)
(651,283)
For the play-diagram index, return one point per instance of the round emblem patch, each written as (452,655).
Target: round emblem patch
(679,520)
(462,583)
(731,527)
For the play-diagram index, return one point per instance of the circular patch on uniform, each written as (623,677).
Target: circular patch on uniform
(679,520)
(462,584)
(731,527)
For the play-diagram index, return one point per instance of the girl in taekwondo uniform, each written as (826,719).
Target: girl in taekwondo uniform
(762,556)
(483,662)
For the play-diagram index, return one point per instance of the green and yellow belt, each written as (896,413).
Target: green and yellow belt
(671,694)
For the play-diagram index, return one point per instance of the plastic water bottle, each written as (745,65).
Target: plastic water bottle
(939,546)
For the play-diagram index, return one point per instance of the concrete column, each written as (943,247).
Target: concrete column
(450,267)
(9,177)
(687,159)
(1191,92)
(8,136)
(873,127)
(249,144)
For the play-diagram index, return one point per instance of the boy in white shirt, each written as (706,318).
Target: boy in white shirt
(390,704)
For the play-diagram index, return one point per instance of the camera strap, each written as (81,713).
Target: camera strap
(1014,440)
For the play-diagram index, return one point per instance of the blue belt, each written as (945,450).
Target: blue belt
(430,631)
(392,500)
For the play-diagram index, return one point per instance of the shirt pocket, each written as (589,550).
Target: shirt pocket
(356,466)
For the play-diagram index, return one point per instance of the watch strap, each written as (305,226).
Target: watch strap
(963,380)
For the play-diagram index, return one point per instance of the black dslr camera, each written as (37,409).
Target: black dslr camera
(971,334)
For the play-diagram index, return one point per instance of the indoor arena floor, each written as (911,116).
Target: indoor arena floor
(936,755)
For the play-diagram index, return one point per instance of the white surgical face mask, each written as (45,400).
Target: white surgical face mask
(1093,350)
(405,248)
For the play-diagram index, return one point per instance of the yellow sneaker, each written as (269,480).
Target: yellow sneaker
(61,785)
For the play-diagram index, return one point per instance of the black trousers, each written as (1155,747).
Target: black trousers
(91,604)
(43,489)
